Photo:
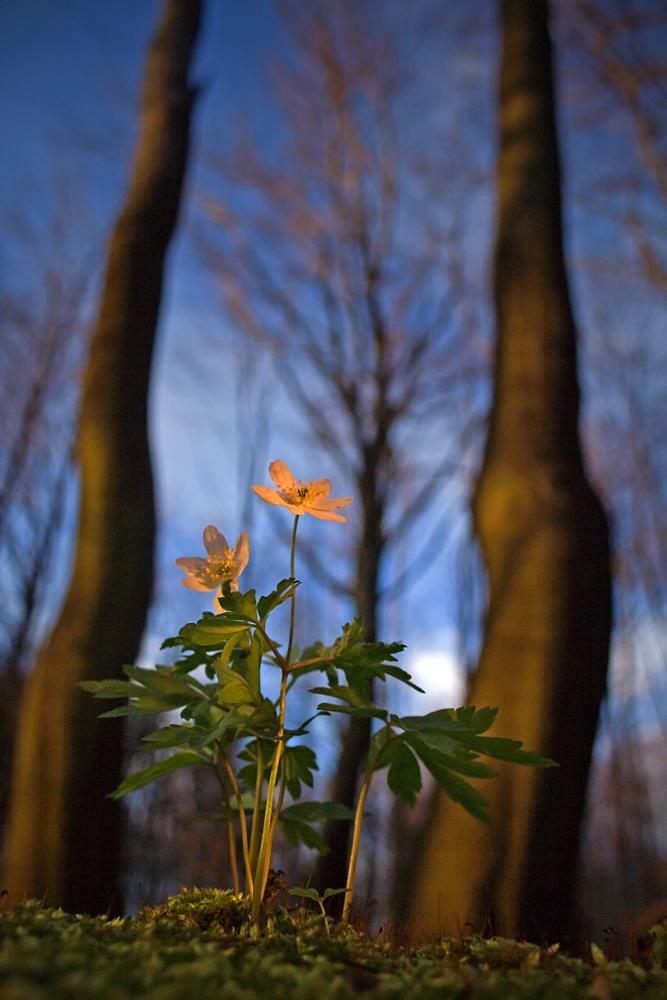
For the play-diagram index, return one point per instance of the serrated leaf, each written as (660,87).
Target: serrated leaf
(456,788)
(344,693)
(479,720)
(241,605)
(501,748)
(353,633)
(282,593)
(185,758)
(316,650)
(437,739)
(403,676)
(299,763)
(171,736)
(235,690)
(130,709)
(363,713)
(468,718)
(295,830)
(162,684)
(404,776)
(306,893)
(317,812)
(212,633)
(331,892)
(110,689)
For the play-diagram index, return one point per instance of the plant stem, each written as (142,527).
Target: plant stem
(264,854)
(275,818)
(324,917)
(354,853)
(244,828)
(293,602)
(230,829)
(254,832)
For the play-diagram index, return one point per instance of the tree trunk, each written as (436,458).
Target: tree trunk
(544,537)
(63,833)
(331,871)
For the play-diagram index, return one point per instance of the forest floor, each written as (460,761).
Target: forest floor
(200,946)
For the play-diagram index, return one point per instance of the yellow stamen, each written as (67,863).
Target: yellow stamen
(302,492)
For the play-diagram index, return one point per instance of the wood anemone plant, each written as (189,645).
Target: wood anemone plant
(228,709)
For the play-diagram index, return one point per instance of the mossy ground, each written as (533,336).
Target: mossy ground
(200,945)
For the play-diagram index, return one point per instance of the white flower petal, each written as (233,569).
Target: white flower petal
(333,504)
(215,542)
(268,494)
(281,475)
(198,584)
(193,565)
(325,515)
(241,552)
(322,486)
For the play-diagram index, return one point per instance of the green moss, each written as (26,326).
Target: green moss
(201,945)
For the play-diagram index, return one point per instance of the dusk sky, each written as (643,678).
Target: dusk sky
(70,78)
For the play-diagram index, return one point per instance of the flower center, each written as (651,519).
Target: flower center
(220,567)
(302,493)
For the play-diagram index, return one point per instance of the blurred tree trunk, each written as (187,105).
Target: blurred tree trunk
(545,542)
(63,837)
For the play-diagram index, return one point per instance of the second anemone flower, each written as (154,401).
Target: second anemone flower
(302,497)
(221,565)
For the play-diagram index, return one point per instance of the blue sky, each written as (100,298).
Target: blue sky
(70,76)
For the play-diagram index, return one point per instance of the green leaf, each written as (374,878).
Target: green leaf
(317,812)
(501,748)
(165,702)
(282,593)
(213,632)
(228,648)
(345,694)
(299,763)
(468,718)
(295,830)
(477,720)
(352,635)
(460,791)
(363,713)
(235,689)
(172,736)
(129,709)
(240,605)
(162,684)
(438,740)
(466,763)
(306,893)
(332,892)
(317,650)
(183,759)
(110,689)
(257,648)
(403,676)
(404,776)
(456,788)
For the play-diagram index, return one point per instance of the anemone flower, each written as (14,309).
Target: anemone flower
(302,497)
(221,565)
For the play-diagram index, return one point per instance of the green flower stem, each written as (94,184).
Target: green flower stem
(275,818)
(244,827)
(230,831)
(324,917)
(264,853)
(254,834)
(354,853)
(279,659)
(293,603)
